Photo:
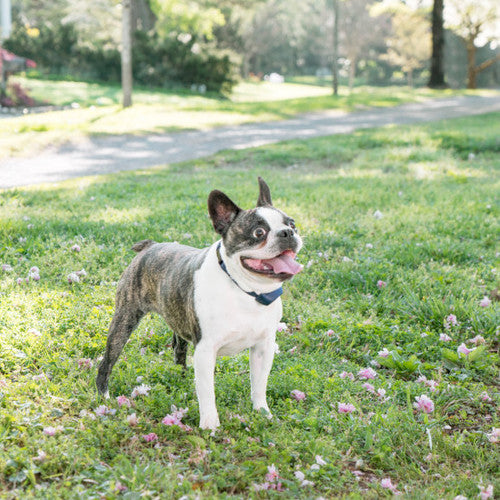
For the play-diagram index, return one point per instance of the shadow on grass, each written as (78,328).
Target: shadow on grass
(105,154)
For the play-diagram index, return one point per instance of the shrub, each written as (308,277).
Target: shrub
(163,62)
(157,62)
(52,49)
(16,96)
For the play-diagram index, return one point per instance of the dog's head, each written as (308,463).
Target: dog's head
(261,242)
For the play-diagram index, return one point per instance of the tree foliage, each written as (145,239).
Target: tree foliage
(477,24)
(292,37)
(83,39)
(409,45)
(472,20)
(198,18)
(274,37)
(360,30)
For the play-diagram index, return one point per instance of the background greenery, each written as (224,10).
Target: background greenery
(158,62)
(436,187)
(203,42)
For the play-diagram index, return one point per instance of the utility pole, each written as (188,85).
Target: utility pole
(5,28)
(6,16)
(126,53)
(3,83)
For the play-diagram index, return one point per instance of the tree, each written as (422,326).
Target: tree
(37,13)
(359,31)
(275,36)
(335,47)
(410,45)
(437,79)
(476,23)
(143,17)
(126,53)
(196,17)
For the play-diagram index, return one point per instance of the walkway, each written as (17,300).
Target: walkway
(103,155)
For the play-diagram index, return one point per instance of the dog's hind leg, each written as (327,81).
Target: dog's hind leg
(123,324)
(180,347)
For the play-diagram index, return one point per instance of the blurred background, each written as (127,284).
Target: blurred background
(207,45)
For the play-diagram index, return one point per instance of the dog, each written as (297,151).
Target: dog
(223,299)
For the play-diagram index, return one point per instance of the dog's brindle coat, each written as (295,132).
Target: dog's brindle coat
(161,279)
(141,291)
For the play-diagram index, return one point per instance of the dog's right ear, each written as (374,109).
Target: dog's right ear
(222,211)
(264,194)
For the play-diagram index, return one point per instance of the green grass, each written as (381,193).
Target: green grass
(434,247)
(100,110)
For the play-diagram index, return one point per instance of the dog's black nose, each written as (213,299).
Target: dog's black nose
(285,233)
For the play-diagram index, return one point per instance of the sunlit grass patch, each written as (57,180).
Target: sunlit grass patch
(400,228)
(97,109)
(266,91)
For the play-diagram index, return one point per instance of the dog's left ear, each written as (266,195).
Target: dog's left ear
(222,211)
(264,194)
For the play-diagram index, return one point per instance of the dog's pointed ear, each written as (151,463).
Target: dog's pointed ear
(222,211)
(264,194)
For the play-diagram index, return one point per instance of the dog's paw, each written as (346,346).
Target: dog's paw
(264,410)
(210,422)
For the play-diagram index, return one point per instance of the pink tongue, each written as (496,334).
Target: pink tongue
(284,263)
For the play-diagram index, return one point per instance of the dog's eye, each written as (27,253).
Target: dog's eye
(291,223)
(259,233)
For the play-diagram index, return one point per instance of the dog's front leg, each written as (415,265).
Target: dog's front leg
(204,373)
(261,361)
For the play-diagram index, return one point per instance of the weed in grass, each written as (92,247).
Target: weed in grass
(433,248)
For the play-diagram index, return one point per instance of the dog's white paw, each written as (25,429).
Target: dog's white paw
(264,409)
(209,422)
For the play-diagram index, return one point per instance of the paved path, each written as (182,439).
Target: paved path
(102,155)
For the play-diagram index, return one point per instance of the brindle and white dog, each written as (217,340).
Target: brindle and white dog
(223,299)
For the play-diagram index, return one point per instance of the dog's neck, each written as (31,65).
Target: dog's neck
(264,293)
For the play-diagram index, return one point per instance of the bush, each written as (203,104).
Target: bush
(16,96)
(52,48)
(168,61)
(157,62)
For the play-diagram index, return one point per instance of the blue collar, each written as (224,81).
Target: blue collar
(262,298)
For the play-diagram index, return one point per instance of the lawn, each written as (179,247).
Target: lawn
(391,330)
(97,109)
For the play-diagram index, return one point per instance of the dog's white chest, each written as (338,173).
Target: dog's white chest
(242,335)
(230,320)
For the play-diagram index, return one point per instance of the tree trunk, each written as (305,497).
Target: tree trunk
(487,64)
(472,69)
(471,64)
(126,54)
(437,79)
(335,56)
(410,78)
(143,17)
(352,72)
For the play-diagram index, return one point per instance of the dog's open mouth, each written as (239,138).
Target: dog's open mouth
(283,266)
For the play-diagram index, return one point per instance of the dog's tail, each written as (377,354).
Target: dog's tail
(142,245)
